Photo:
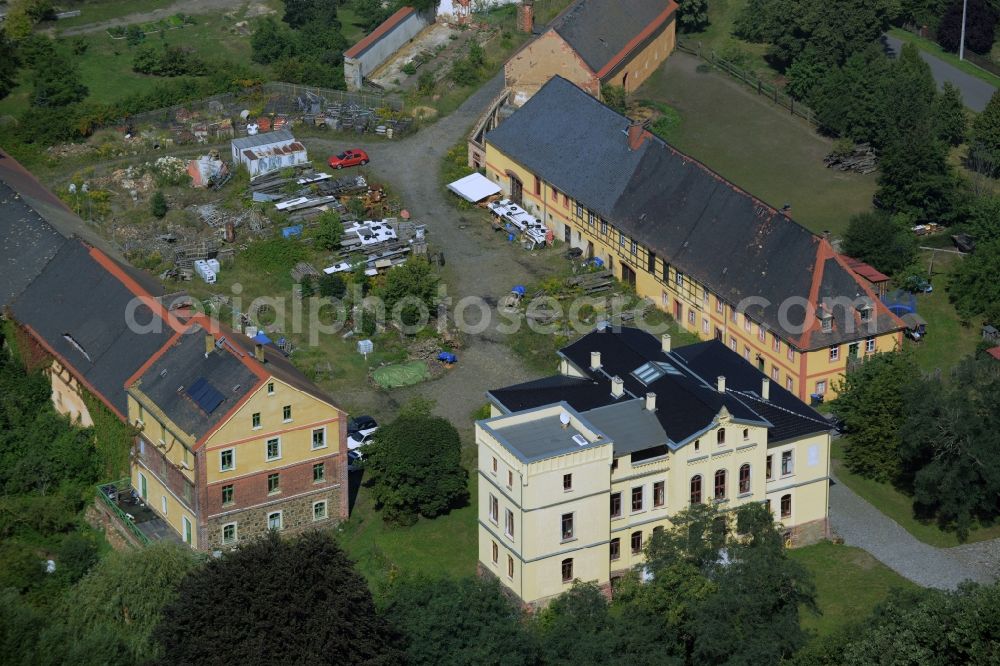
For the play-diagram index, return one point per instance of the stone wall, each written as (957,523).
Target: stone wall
(809,533)
(297,516)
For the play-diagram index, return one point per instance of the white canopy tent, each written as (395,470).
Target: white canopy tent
(474,187)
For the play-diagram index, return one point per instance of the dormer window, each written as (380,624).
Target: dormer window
(826,321)
(865,311)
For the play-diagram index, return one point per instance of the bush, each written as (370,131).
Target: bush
(332,286)
(409,69)
(158,205)
(415,468)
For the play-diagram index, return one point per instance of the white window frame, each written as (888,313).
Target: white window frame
(326,511)
(281,520)
(289,419)
(821,387)
(187,530)
(163,504)
(267,443)
(313,443)
(869,345)
(791,463)
(222,467)
(494,503)
(255,421)
(508,523)
(270,388)
(834,353)
(236,534)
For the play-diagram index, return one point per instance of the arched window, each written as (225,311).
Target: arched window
(786,506)
(567,570)
(746,434)
(720,484)
(696,489)
(720,436)
(636,542)
(744,479)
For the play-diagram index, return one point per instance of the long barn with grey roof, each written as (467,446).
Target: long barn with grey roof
(724,263)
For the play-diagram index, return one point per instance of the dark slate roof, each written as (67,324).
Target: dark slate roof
(168,380)
(790,416)
(580,394)
(278,365)
(692,218)
(684,381)
(27,243)
(78,308)
(599,30)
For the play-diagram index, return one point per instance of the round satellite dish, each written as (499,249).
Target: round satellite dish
(564,418)
(244,114)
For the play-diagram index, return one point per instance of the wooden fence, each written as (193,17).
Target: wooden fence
(763,88)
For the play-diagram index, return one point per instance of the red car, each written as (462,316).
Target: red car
(349,158)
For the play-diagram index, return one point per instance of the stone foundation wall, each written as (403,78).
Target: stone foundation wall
(808,533)
(297,516)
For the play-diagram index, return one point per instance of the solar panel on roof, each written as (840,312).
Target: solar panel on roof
(205,395)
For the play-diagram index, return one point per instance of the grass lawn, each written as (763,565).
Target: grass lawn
(934,49)
(106,66)
(899,506)
(94,11)
(718,37)
(947,341)
(350,24)
(849,583)
(446,546)
(757,145)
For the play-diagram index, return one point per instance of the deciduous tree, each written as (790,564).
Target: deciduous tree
(878,239)
(692,15)
(871,403)
(295,601)
(973,286)
(458,621)
(414,468)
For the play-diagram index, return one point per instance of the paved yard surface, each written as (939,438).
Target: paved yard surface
(976,93)
(864,526)
(478,262)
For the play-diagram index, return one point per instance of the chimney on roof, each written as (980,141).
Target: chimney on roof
(651,402)
(209,343)
(595,360)
(617,387)
(721,383)
(526,16)
(765,388)
(665,343)
(258,351)
(636,135)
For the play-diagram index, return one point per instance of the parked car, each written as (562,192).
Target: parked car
(355,460)
(363,424)
(357,440)
(349,158)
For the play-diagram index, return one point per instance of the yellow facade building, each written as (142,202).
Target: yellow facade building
(725,264)
(577,471)
(595,43)
(234,441)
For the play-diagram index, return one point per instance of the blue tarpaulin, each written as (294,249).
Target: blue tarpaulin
(519,290)
(261,339)
(289,232)
(447,357)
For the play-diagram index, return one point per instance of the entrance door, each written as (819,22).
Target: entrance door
(628,275)
(678,312)
(760,363)
(567,233)
(590,249)
(516,190)
(718,334)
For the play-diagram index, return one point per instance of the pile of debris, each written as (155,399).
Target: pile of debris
(351,117)
(861,159)
(381,245)
(592,283)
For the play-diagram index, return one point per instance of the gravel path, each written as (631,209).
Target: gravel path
(478,262)
(864,526)
(975,92)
